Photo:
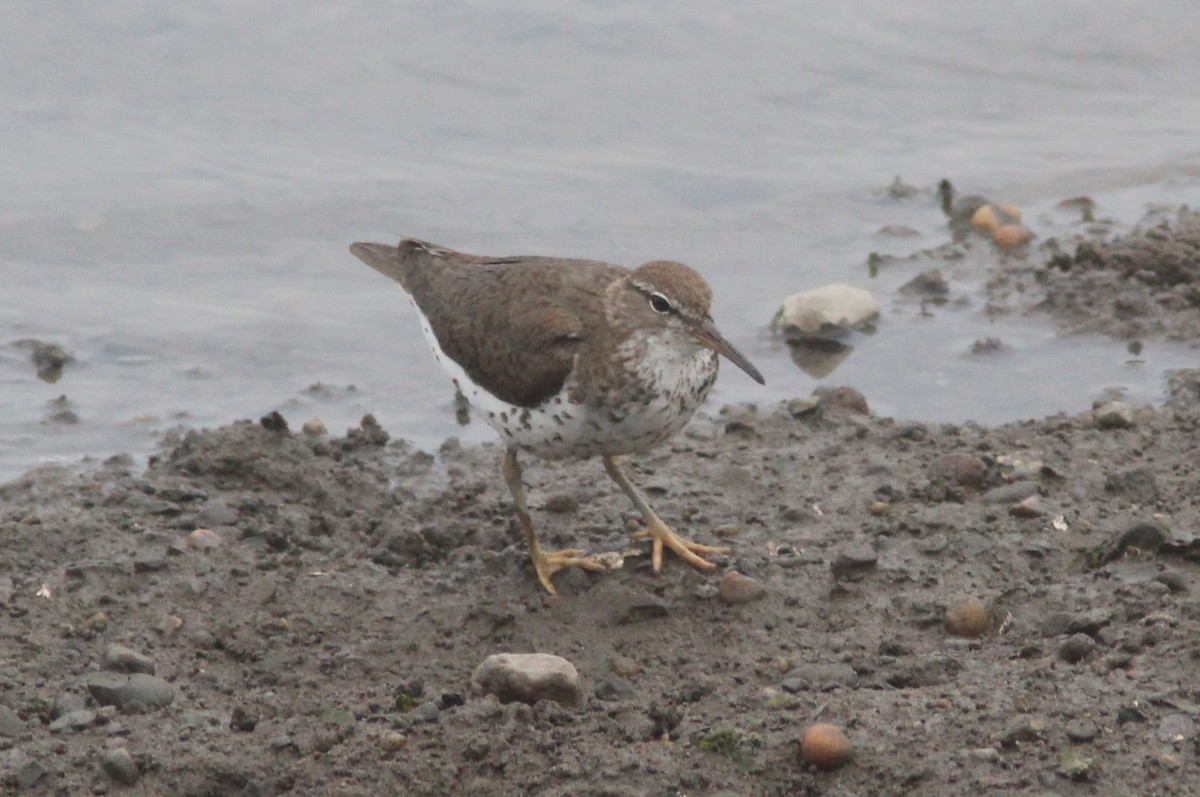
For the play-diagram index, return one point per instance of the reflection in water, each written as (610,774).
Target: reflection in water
(818,357)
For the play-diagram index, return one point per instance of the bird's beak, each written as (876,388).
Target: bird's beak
(708,335)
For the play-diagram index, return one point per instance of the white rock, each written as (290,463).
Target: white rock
(832,308)
(528,678)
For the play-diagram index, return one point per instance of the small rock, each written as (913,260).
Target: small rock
(1010,236)
(136,690)
(119,765)
(7,590)
(66,702)
(830,309)
(624,666)
(118,658)
(735,588)
(1081,731)
(11,723)
(626,607)
(204,539)
(528,678)
(820,677)
(929,284)
(964,469)
(1031,507)
(1144,538)
(1113,415)
(73,721)
(853,558)
(1176,728)
(392,741)
(1023,732)
(1074,765)
(1076,648)
(842,398)
(243,720)
(170,625)
(1010,493)
(990,217)
(967,617)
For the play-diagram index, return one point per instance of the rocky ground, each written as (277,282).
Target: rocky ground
(266,611)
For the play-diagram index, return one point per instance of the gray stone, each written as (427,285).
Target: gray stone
(1076,648)
(1010,493)
(10,723)
(528,678)
(66,702)
(73,721)
(119,765)
(118,658)
(136,690)
(853,559)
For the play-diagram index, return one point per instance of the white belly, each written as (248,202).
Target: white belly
(558,429)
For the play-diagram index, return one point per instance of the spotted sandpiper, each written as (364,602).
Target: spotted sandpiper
(569,359)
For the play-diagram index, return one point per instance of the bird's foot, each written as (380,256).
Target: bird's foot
(685,549)
(547,563)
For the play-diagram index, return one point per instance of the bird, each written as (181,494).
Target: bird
(569,359)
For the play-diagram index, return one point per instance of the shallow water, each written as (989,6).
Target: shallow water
(180,192)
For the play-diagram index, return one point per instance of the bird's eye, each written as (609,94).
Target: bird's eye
(660,303)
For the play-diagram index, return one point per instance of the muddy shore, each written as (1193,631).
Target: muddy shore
(265,610)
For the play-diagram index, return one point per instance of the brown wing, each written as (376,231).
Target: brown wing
(514,324)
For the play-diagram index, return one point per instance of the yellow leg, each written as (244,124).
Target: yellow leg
(545,563)
(658,531)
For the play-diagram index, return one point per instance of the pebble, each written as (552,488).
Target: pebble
(1076,648)
(1031,507)
(967,617)
(7,590)
(965,469)
(1022,732)
(929,283)
(11,723)
(1081,731)
(119,765)
(391,741)
(735,588)
(1010,236)
(1146,538)
(73,721)
(65,702)
(129,691)
(1074,765)
(1010,493)
(118,658)
(853,558)
(990,217)
(1113,415)
(624,666)
(204,539)
(824,310)
(243,720)
(528,678)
